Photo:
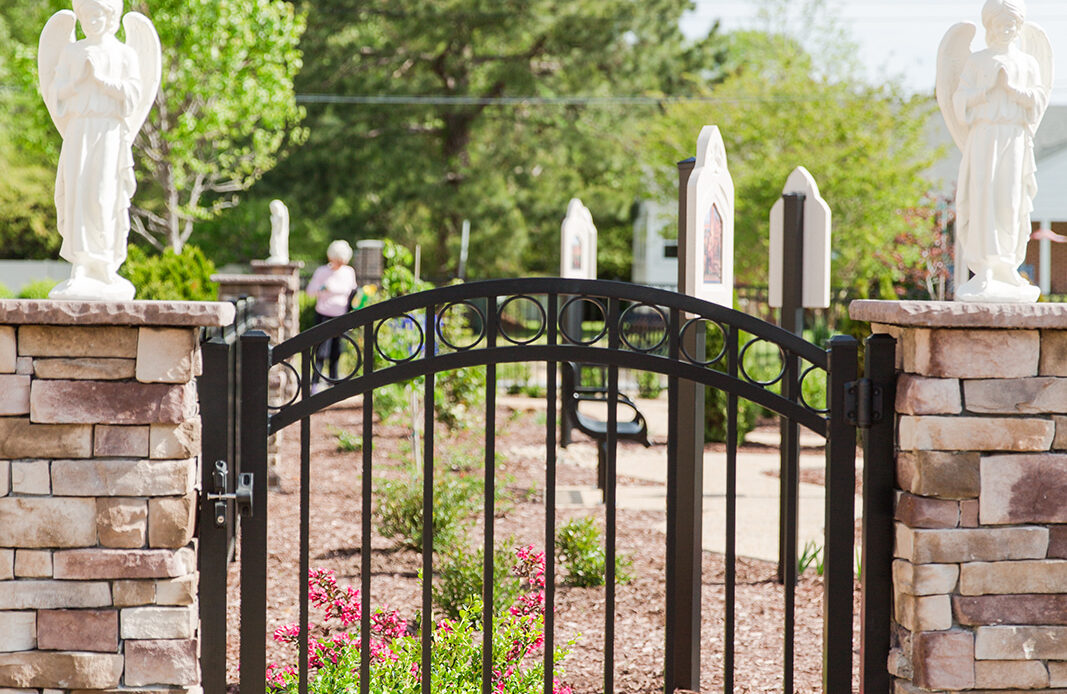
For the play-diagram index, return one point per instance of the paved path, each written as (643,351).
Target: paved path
(757,491)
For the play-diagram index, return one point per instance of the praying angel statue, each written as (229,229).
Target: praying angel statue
(98,91)
(993,101)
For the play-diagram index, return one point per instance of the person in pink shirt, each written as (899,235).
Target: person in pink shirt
(332,285)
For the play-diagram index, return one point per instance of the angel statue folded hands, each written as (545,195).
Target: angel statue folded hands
(993,101)
(98,91)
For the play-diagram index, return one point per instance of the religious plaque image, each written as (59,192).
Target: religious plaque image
(713,246)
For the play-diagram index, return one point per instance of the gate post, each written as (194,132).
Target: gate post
(99,440)
(255,364)
(840,515)
(685,489)
(978,571)
(876,560)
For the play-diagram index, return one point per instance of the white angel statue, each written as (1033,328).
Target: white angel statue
(279,233)
(993,101)
(98,92)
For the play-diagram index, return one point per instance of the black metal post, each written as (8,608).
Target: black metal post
(791,319)
(571,319)
(876,560)
(685,496)
(840,519)
(255,363)
(213,387)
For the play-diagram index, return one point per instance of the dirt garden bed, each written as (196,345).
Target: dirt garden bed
(639,630)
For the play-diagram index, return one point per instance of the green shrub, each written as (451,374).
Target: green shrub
(171,276)
(459,580)
(716,401)
(581,552)
(649,384)
(6,293)
(37,289)
(347,442)
(399,510)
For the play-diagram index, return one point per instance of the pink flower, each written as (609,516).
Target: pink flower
(288,633)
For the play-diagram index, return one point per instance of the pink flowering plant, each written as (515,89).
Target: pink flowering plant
(334,646)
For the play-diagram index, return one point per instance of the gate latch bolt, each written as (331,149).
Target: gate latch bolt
(242,496)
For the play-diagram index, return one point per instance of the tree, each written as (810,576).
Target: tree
(429,143)
(226,105)
(864,145)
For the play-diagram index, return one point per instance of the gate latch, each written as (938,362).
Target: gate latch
(242,497)
(863,403)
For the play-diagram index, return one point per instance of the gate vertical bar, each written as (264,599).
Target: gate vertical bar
(551,321)
(489,547)
(611,448)
(671,572)
(255,363)
(429,346)
(879,476)
(790,473)
(367,490)
(840,525)
(731,517)
(213,387)
(685,494)
(305,521)
(791,319)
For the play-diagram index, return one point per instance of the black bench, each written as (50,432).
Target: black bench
(573,394)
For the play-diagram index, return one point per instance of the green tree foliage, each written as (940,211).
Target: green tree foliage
(864,145)
(226,104)
(412,169)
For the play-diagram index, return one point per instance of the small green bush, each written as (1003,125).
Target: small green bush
(581,552)
(171,276)
(37,289)
(347,442)
(6,293)
(649,384)
(399,510)
(459,580)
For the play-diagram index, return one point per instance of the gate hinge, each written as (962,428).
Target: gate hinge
(863,403)
(242,496)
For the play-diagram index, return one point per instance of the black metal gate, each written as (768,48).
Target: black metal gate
(851,402)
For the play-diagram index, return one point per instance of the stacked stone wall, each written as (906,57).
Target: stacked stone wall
(980,568)
(99,446)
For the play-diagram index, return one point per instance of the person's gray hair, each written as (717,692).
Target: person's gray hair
(339,250)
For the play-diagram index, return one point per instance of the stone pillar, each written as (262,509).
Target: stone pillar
(276,311)
(99,446)
(980,577)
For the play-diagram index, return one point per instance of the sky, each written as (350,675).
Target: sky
(898,38)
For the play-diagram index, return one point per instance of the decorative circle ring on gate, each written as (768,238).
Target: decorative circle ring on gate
(639,317)
(697,321)
(407,327)
(541,315)
(563,324)
(748,377)
(441,325)
(325,345)
(296,391)
(804,401)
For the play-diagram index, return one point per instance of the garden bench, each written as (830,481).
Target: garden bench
(573,394)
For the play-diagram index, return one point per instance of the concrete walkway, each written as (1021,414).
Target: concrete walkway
(757,483)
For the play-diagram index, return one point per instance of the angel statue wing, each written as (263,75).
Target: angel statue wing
(1033,41)
(57,34)
(952,55)
(141,36)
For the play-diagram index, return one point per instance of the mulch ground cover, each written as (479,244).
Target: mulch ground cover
(639,625)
